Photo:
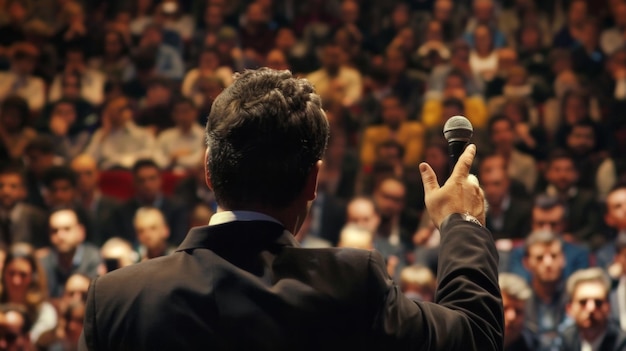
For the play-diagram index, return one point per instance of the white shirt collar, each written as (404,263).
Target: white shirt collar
(232,216)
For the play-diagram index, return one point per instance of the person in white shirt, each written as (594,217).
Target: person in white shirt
(179,148)
(118,143)
(91,81)
(20,80)
(334,80)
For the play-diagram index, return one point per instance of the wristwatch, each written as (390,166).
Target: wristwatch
(462,216)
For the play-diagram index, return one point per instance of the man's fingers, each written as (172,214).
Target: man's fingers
(462,167)
(429,178)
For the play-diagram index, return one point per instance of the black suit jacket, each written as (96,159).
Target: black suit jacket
(614,340)
(249,286)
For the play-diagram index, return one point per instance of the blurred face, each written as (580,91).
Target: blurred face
(577,12)
(11,336)
(363,214)
(11,119)
(66,111)
(552,219)
(213,17)
(17,12)
(66,233)
(158,94)
(389,198)
(209,60)
(483,11)
(400,16)
(39,162)
(61,193)
(502,135)
(616,209)
(76,289)
(562,174)
(148,183)
(581,140)
(513,317)
(18,275)
(11,190)
(349,12)
(184,114)
(151,230)
(434,31)
(393,113)
(443,10)
(87,175)
(530,37)
(495,184)
(276,60)
(285,39)
(482,38)
(112,45)
(74,61)
(545,262)
(70,86)
(589,306)
(114,112)
(255,14)
(331,59)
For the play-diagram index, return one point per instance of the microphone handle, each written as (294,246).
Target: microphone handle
(455,149)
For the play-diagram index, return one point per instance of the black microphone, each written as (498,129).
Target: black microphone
(458,131)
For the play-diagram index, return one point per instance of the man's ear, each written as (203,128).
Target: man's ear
(207,174)
(310,188)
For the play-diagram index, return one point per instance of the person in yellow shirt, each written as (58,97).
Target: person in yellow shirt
(409,134)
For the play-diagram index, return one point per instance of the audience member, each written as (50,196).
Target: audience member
(69,252)
(562,178)
(152,232)
(549,214)
(515,295)
(117,253)
(90,81)
(545,309)
(19,221)
(418,283)
(147,183)
(24,283)
(15,326)
(409,134)
(179,148)
(15,133)
(335,81)
(20,79)
(508,216)
(119,142)
(98,207)
(589,307)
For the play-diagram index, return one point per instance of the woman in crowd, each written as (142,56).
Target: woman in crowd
(24,283)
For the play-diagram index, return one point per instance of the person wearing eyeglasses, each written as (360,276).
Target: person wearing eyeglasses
(589,307)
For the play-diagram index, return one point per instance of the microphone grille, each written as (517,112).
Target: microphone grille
(458,127)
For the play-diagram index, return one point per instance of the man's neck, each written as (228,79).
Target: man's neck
(591,335)
(87,198)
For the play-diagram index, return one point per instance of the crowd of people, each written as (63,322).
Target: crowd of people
(103,103)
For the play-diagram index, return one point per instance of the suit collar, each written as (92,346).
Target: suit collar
(238,234)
